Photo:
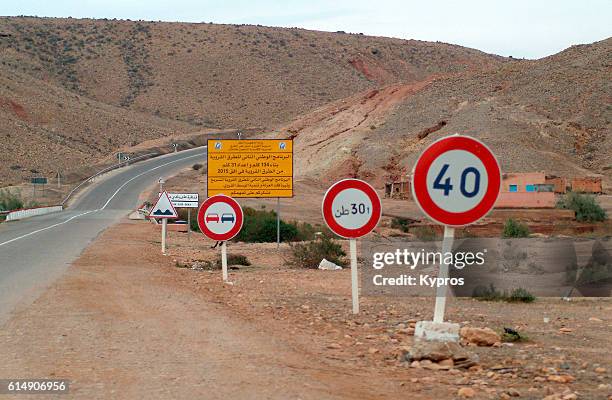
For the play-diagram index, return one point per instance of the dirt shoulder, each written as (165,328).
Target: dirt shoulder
(125,322)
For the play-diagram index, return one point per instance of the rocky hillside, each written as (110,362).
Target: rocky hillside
(551,114)
(75,89)
(218,75)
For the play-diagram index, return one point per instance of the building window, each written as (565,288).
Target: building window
(530,188)
(513,188)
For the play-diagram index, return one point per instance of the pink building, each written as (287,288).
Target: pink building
(526,190)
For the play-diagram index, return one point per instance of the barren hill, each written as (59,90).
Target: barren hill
(219,75)
(551,114)
(75,89)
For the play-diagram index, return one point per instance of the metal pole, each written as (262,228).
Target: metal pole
(354,276)
(278,223)
(447,247)
(224,261)
(163,239)
(58,180)
(189,224)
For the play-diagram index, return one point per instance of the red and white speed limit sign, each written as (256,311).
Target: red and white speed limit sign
(456,180)
(220,217)
(351,208)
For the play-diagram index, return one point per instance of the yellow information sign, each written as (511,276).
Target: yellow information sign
(250,168)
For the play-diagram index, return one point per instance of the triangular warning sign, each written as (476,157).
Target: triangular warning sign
(163,208)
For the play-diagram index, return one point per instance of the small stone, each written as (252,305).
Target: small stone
(466,393)
(566,330)
(570,396)
(438,351)
(334,346)
(560,378)
(595,319)
(447,363)
(415,364)
(373,350)
(512,392)
(432,365)
(480,336)
(600,370)
(426,363)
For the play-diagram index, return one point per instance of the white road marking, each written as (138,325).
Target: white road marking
(99,209)
(141,174)
(48,227)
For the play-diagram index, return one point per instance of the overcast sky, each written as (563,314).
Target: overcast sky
(518,28)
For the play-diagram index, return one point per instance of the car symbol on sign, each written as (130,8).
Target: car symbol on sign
(212,218)
(227,218)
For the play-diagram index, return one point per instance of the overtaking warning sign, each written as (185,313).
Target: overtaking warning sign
(250,168)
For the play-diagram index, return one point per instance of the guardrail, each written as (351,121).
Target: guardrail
(105,170)
(14,215)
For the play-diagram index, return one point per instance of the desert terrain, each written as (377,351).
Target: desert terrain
(74,92)
(127,322)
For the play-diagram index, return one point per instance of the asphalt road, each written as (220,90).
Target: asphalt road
(36,251)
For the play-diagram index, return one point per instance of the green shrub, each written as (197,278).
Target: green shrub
(182,213)
(10,200)
(310,254)
(514,229)
(259,226)
(424,233)
(400,223)
(585,206)
(491,293)
(232,259)
(236,259)
(521,295)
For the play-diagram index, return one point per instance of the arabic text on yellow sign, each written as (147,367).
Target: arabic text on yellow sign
(250,168)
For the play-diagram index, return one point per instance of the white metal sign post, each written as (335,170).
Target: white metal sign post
(456,181)
(352,209)
(188,201)
(220,218)
(163,210)
(441,291)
